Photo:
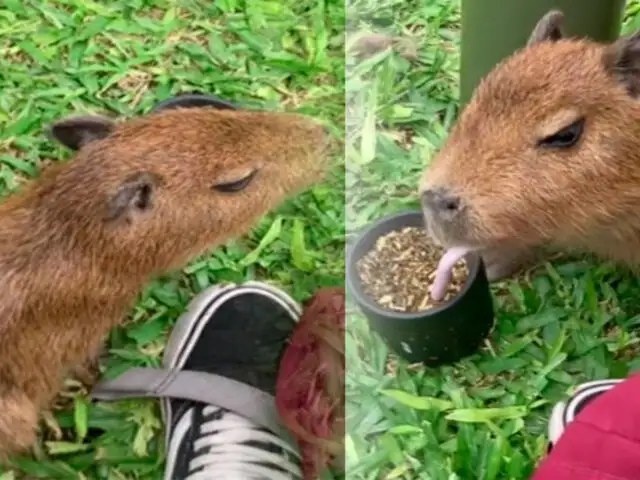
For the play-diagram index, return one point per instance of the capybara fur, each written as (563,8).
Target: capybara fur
(140,198)
(545,154)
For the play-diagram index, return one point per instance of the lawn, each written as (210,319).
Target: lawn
(485,417)
(120,57)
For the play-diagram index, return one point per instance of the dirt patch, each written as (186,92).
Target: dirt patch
(368,45)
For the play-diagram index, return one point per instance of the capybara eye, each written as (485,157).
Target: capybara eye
(235,186)
(567,137)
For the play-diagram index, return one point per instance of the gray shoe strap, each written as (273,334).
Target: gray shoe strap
(240,398)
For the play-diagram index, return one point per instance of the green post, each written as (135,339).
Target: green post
(494,29)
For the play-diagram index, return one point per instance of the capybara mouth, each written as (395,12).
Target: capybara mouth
(432,230)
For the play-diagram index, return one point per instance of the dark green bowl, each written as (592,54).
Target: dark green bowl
(441,335)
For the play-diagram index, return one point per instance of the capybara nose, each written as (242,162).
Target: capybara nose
(439,200)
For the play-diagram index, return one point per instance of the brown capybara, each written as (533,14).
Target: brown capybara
(546,154)
(139,198)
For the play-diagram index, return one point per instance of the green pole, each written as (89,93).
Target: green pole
(494,29)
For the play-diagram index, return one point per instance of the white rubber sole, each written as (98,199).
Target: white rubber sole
(564,413)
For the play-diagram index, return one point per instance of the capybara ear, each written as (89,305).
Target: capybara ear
(548,29)
(76,132)
(622,59)
(194,100)
(133,196)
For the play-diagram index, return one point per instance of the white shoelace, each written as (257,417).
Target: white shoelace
(227,456)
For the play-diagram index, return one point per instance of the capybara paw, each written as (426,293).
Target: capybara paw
(86,373)
(503,263)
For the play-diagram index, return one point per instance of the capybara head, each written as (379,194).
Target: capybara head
(161,188)
(546,152)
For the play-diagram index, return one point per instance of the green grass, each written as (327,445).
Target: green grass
(486,417)
(121,57)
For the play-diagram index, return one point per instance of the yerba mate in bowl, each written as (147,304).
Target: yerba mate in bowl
(399,271)
(390,272)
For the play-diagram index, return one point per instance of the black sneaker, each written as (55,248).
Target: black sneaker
(218,386)
(239,333)
(563,413)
